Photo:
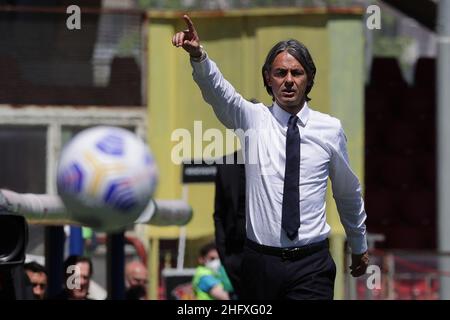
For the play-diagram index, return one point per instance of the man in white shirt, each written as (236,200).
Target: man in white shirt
(287,162)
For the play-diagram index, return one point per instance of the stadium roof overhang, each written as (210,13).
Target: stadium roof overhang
(423,11)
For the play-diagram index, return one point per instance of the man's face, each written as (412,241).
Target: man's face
(39,282)
(138,277)
(81,291)
(288,81)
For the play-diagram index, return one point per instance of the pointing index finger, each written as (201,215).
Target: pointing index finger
(189,23)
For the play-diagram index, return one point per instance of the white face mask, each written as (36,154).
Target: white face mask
(213,265)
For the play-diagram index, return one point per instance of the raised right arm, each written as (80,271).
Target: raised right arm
(229,106)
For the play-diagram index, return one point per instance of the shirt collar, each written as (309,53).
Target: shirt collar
(283,117)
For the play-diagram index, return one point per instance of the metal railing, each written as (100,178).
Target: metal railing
(398,275)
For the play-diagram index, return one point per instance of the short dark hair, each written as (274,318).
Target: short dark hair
(207,248)
(299,51)
(34,267)
(73,260)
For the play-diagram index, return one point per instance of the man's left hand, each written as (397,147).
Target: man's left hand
(360,262)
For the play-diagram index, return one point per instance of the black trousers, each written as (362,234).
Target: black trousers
(271,277)
(233,267)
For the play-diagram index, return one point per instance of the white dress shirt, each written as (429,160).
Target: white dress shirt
(323,154)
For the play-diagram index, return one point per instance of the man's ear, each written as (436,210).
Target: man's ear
(267,78)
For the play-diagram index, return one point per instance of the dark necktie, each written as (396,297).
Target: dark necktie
(290,220)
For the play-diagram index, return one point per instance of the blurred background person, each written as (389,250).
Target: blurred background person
(38,278)
(229,216)
(206,283)
(78,271)
(136,280)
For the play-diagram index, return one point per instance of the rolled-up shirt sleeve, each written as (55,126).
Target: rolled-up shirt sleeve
(347,194)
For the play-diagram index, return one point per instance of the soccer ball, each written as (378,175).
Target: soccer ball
(106,177)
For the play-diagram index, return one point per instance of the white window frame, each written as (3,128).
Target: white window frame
(54,118)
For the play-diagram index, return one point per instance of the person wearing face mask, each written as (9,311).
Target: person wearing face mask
(206,283)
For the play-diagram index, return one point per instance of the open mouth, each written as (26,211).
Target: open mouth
(288,93)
